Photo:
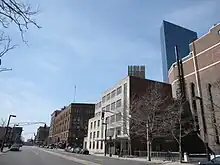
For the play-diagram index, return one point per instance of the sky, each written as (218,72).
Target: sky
(88,43)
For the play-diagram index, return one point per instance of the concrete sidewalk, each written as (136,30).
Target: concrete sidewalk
(144,159)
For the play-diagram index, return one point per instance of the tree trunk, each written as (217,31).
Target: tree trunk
(129,147)
(180,152)
(149,151)
(180,143)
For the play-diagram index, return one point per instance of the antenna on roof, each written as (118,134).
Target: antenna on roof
(74,94)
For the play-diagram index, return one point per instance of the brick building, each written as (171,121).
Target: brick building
(51,130)
(42,135)
(115,103)
(70,123)
(202,79)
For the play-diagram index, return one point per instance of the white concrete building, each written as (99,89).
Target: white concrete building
(114,103)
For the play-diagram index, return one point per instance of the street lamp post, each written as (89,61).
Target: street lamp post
(6,131)
(204,125)
(105,123)
(5,69)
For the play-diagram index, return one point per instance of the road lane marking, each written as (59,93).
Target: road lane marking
(85,162)
(34,152)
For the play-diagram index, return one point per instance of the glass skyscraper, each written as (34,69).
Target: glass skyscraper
(170,36)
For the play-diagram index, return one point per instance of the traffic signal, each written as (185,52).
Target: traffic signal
(103,115)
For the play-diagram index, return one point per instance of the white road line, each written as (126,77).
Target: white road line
(85,162)
(34,152)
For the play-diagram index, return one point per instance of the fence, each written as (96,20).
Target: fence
(172,156)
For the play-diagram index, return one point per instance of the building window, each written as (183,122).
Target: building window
(194,106)
(100,104)
(94,124)
(119,90)
(97,145)
(97,134)
(102,132)
(93,145)
(110,132)
(113,93)
(93,134)
(98,123)
(118,117)
(101,147)
(118,103)
(107,120)
(90,145)
(103,109)
(113,106)
(108,97)
(91,125)
(118,131)
(108,108)
(90,135)
(103,99)
(112,120)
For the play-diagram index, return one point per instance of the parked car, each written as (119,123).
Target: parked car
(68,149)
(214,161)
(85,151)
(51,146)
(77,150)
(15,147)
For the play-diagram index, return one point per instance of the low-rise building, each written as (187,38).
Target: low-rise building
(42,135)
(116,102)
(13,134)
(202,81)
(70,124)
(52,129)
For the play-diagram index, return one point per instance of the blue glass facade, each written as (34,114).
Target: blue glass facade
(170,36)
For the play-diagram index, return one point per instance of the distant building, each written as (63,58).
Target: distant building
(13,135)
(115,102)
(136,71)
(170,36)
(202,79)
(70,124)
(42,135)
(52,129)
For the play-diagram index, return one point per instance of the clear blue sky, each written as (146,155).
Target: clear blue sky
(89,44)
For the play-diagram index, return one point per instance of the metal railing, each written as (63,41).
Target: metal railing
(171,156)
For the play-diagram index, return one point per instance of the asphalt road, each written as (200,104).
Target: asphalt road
(38,156)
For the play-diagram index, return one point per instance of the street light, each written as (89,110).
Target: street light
(5,69)
(6,131)
(105,123)
(204,125)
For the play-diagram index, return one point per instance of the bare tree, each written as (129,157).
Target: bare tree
(5,43)
(18,13)
(3,123)
(147,111)
(178,121)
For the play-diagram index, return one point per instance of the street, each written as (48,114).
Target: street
(39,156)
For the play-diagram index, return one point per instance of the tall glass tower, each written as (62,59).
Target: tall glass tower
(170,36)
